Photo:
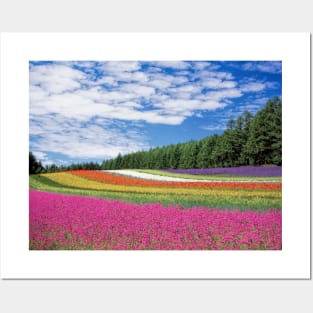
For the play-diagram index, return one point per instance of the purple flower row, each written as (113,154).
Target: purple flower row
(253,171)
(60,221)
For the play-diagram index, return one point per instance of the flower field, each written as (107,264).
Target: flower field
(73,222)
(122,180)
(252,171)
(87,209)
(233,174)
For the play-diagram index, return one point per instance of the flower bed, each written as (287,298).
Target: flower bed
(74,222)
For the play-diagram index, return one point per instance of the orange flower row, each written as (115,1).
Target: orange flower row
(124,180)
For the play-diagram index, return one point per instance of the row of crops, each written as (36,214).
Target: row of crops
(99,210)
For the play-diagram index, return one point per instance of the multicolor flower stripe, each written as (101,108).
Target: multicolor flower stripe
(78,181)
(124,180)
(73,222)
(239,201)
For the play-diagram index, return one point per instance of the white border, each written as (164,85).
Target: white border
(292,262)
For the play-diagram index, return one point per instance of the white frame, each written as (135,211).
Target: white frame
(293,49)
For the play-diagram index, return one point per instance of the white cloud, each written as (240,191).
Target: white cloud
(75,111)
(183,108)
(120,66)
(73,139)
(175,100)
(106,80)
(55,78)
(199,114)
(222,94)
(123,71)
(205,74)
(42,157)
(260,101)
(217,83)
(179,65)
(249,107)
(199,65)
(139,90)
(273,67)
(214,128)
(253,87)
(272,85)
(184,92)
(159,83)
(163,80)
(189,88)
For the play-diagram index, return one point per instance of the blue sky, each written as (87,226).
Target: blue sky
(82,111)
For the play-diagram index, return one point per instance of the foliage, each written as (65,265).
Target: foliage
(78,166)
(35,166)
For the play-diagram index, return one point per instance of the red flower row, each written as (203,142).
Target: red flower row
(124,180)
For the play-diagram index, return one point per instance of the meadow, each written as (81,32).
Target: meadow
(87,209)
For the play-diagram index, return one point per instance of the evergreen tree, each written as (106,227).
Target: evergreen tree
(35,166)
(203,155)
(174,156)
(264,141)
(247,120)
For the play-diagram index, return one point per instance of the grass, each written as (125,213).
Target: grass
(243,201)
(208,177)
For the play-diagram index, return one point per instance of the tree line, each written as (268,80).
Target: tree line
(247,140)
(36,167)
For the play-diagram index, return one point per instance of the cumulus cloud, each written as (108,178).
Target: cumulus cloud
(84,109)
(273,67)
(58,88)
(253,87)
(217,83)
(140,91)
(199,65)
(55,78)
(99,139)
(181,65)
(120,66)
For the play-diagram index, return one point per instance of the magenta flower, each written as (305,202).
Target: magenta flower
(60,221)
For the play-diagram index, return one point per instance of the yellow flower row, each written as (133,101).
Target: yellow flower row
(71,180)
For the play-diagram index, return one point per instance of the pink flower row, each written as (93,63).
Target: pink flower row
(60,221)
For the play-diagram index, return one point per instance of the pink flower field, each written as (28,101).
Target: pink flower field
(59,221)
